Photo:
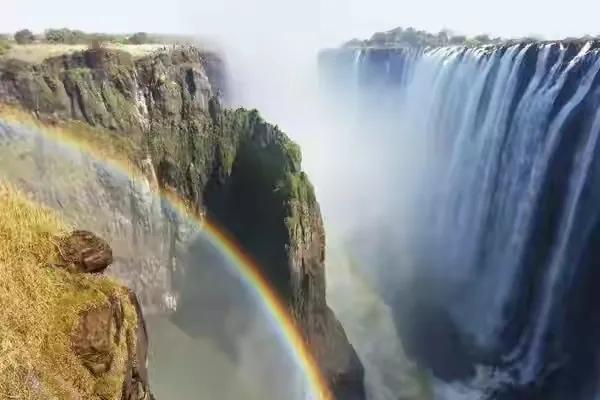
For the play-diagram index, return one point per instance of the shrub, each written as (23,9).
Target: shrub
(66,36)
(55,35)
(139,38)
(4,46)
(24,36)
(460,39)
(482,39)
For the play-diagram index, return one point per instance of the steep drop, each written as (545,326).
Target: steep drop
(504,214)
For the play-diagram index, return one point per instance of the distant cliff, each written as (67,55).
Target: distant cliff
(164,113)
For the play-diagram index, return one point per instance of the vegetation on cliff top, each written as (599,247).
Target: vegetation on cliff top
(41,307)
(36,47)
(411,37)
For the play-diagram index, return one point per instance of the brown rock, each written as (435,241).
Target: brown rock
(85,252)
(93,338)
(99,335)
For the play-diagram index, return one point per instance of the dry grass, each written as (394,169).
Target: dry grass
(41,305)
(38,52)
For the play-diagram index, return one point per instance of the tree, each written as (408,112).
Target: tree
(482,39)
(139,38)
(442,38)
(24,36)
(57,35)
(379,38)
(411,37)
(460,39)
(67,36)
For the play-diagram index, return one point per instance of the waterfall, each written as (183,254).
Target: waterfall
(506,211)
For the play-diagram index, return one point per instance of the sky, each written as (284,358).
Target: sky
(326,21)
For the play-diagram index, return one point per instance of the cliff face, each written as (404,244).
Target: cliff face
(164,113)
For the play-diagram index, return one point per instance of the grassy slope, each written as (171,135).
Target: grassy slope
(41,305)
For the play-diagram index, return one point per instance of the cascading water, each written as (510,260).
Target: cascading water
(505,214)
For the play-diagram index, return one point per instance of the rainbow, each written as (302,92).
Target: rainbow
(246,267)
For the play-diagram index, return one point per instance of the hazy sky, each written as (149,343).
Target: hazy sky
(330,21)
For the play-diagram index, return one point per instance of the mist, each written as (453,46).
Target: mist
(363,168)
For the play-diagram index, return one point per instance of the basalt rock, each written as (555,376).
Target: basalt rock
(71,335)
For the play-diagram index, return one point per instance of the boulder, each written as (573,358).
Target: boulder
(83,251)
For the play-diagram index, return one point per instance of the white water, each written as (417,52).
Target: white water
(489,154)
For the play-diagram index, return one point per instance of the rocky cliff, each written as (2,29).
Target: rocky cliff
(163,113)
